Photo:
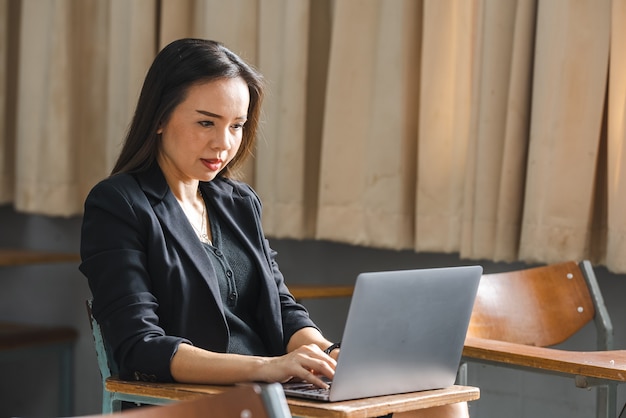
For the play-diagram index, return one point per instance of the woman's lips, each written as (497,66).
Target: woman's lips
(213,164)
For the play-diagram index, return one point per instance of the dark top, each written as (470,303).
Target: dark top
(153,285)
(239,284)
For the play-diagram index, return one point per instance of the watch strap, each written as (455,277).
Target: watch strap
(332,347)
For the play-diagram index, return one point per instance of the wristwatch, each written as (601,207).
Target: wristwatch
(332,347)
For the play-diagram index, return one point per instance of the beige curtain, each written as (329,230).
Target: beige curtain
(491,128)
(615,225)
(368,165)
(448,52)
(493,196)
(569,87)
(72,75)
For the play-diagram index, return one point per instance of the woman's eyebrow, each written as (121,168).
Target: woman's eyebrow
(215,115)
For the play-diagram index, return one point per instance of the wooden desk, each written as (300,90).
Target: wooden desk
(12,257)
(362,408)
(604,365)
(320,291)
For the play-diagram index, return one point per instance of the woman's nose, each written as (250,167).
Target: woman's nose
(223,139)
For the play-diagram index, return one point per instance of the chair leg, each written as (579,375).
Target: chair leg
(116,405)
(461,374)
(606,401)
(110,403)
(274,400)
(66,381)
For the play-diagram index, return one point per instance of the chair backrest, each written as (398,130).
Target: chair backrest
(540,306)
(242,401)
(106,363)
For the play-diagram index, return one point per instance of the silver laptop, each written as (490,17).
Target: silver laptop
(404,333)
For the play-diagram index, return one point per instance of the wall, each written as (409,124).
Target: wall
(47,294)
(56,294)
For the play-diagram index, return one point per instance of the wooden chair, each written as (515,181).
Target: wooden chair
(518,314)
(116,391)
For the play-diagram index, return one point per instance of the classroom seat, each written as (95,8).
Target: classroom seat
(519,316)
(20,341)
(319,291)
(271,395)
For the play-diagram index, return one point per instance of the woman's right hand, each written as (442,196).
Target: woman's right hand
(195,365)
(307,362)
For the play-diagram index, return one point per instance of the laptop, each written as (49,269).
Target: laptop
(404,332)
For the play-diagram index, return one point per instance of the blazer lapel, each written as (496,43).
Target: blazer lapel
(236,210)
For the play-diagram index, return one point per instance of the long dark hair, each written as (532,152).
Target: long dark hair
(178,66)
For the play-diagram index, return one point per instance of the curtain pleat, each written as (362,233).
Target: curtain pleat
(283,60)
(368,152)
(491,128)
(512,172)
(493,195)
(449,31)
(570,74)
(616,153)
(58,61)
(80,64)
(176,20)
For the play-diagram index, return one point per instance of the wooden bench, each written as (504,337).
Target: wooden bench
(10,257)
(19,341)
(301,292)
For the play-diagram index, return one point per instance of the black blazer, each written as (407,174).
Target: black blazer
(153,285)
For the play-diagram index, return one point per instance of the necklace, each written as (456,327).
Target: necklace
(203,233)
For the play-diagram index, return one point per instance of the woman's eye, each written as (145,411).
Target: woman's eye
(206,123)
(237,126)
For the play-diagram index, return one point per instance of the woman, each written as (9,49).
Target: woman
(184,284)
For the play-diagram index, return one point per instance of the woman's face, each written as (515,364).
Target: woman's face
(204,132)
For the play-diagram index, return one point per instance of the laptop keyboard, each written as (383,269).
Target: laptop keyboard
(309,388)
